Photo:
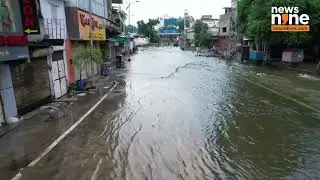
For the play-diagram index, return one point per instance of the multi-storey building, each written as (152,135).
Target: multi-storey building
(224,32)
(212,23)
(37,44)
(36,38)
(78,25)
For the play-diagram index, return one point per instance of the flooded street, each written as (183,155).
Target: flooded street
(178,116)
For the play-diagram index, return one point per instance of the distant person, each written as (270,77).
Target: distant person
(119,53)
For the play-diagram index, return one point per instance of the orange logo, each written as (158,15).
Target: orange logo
(288,19)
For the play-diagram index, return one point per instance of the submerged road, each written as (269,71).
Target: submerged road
(178,116)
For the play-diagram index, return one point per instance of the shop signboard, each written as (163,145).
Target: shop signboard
(172,22)
(169,31)
(98,26)
(30,20)
(13,42)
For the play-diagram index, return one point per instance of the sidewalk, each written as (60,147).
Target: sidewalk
(24,141)
(309,68)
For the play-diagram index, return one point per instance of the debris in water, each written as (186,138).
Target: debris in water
(81,94)
(261,74)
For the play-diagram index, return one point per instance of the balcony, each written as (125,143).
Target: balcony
(54,28)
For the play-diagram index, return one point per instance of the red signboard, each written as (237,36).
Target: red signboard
(13,40)
(30,18)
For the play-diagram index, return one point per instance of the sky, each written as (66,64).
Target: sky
(145,9)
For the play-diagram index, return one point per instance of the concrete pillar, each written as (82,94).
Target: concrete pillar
(7,93)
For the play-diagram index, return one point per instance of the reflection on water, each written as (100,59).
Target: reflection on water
(178,116)
(202,122)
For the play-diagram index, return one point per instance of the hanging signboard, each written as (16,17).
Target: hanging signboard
(30,20)
(98,26)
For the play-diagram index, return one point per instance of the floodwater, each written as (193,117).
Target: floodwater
(178,116)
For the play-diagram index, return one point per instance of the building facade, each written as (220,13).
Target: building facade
(104,30)
(13,48)
(212,23)
(36,49)
(27,40)
(224,32)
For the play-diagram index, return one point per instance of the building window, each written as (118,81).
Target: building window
(83,4)
(54,11)
(224,29)
(98,7)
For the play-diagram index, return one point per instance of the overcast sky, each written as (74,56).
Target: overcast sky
(145,9)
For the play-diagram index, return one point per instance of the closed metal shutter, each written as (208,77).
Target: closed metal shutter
(31,84)
(2,119)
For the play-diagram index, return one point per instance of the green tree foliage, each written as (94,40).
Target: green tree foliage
(202,36)
(254,21)
(83,57)
(148,29)
(131,29)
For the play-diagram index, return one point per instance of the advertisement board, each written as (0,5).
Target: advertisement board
(13,43)
(98,26)
(167,31)
(172,22)
(30,20)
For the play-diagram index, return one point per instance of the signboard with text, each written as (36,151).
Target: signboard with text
(98,27)
(13,43)
(29,15)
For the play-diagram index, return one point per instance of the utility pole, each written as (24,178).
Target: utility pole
(129,7)
(185,28)
(129,12)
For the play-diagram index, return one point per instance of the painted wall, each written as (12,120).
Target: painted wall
(224,21)
(69,57)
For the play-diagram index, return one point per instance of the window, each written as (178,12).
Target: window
(224,29)
(83,4)
(54,11)
(97,7)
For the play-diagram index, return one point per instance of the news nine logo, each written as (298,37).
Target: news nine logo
(289,19)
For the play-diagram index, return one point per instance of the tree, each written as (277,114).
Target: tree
(202,36)
(254,21)
(148,29)
(131,29)
(84,57)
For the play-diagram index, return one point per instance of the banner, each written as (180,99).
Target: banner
(98,27)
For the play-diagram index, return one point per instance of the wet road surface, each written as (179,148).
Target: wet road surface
(177,116)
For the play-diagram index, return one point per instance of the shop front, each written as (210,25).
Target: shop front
(13,48)
(79,37)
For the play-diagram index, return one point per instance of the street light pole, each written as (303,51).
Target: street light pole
(129,11)
(129,7)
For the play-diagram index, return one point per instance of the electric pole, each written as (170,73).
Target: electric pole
(185,28)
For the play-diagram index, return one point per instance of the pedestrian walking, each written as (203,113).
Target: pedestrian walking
(119,53)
